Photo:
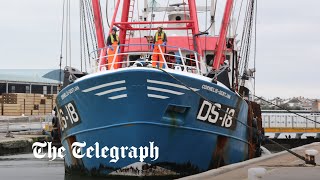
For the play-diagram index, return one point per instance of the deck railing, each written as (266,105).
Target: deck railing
(176,58)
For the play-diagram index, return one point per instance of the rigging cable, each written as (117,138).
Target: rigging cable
(69,22)
(255,47)
(101,23)
(151,18)
(90,22)
(165,12)
(213,18)
(92,19)
(239,16)
(61,46)
(246,40)
(248,45)
(86,33)
(107,2)
(80,11)
(243,37)
(67,34)
(139,25)
(305,117)
(205,37)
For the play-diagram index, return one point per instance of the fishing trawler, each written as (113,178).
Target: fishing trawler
(194,108)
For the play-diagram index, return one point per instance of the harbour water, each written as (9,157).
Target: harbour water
(27,167)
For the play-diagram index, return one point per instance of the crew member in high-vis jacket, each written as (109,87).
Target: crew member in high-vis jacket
(112,43)
(160,38)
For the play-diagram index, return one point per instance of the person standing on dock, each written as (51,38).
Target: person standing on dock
(160,40)
(112,43)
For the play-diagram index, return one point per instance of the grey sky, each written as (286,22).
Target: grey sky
(287,49)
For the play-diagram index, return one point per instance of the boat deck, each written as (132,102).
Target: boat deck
(280,165)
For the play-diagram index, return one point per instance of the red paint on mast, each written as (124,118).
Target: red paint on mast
(114,16)
(124,18)
(195,25)
(100,34)
(218,60)
(98,23)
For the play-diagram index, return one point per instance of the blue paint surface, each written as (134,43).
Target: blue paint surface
(137,119)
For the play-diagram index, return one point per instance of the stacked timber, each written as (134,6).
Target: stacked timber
(16,104)
(12,110)
(1,102)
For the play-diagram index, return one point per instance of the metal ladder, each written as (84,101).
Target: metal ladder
(130,17)
(190,39)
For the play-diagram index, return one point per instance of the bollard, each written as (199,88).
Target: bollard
(256,173)
(8,131)
(310,156)
(29,123)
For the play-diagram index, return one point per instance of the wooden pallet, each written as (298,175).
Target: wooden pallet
(27,104)
(11,110)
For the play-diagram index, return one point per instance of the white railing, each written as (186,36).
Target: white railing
(176,59)
(285,120)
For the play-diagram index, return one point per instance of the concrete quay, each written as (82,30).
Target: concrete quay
(20,142)
(280,166)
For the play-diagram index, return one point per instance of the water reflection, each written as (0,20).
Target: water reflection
(26,166)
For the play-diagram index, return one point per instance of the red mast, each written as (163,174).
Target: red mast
(195,26)
(100,33)
(124,25)
(98,23)
(218,60)
(124,18)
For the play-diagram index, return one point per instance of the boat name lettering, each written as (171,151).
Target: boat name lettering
(217,91)
(68,116)
(69,91)
(217,114)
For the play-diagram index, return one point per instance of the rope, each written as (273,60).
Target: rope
(213,20)
(287,109)
(259,132)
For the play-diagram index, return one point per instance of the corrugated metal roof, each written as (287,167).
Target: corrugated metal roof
(49,76)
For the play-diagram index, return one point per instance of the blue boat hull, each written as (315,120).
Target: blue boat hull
(136,106)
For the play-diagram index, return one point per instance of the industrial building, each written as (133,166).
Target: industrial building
(30,81)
